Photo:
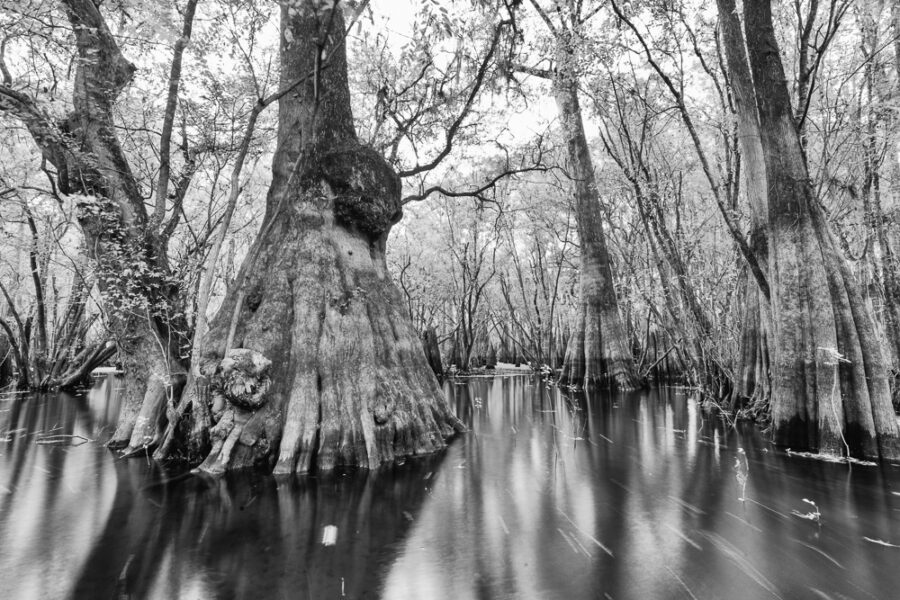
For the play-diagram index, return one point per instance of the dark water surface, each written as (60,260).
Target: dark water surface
(548,496)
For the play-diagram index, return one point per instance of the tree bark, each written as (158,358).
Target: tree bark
(598,351)
(830,387)
(7,352)
(752,381)
(350,384)
(433,352)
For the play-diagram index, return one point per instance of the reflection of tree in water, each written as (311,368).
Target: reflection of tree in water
(521,498)
(253,536)
(51,495)
(638,478)
(557,492)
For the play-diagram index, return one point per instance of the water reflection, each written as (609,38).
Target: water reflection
(252,536)
(549,496)
(636,496)
(56,491)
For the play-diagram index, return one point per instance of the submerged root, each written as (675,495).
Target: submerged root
(624,380)
(598,362)
(610,375)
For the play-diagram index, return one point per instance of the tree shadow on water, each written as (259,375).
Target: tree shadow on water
(249,535)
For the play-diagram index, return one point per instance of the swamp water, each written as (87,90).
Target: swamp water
(550,495)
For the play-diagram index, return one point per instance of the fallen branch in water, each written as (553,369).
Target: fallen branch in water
(832,458)
(11,434)
(61,438)
(881,542)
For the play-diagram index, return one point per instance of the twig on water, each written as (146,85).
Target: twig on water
(61,438)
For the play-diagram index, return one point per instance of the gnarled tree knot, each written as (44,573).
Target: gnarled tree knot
(241,380)
(366,189)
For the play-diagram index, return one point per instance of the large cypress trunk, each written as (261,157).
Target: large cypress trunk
(752,371)
(830,387)
(598,350)
(314,316)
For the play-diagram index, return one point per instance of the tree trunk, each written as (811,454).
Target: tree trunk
(598,351)
(752,371)
(433,352)
(877,92)
(350,384)
(830,387)
(753,368)
(133,274)
(117,232)
(6,359)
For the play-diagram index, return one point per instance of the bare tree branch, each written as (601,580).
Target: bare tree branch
(480,77)
(476,193)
